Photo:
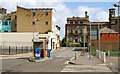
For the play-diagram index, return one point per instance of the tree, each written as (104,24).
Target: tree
(63,42)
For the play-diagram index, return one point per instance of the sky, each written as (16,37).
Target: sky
(97,11)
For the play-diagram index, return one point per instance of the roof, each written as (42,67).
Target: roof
(77,18)
(112,9)
(35,8)
(107,30)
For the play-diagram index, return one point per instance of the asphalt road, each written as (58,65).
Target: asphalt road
(55,64)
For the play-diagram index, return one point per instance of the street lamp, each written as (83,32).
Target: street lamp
(118,6)
(33,35)
(90,43)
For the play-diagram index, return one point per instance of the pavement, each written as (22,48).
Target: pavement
(23,55)
(113,63)
(84,64)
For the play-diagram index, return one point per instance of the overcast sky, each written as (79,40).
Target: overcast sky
(96,10)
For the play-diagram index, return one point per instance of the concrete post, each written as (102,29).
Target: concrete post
(104,57)
(108,53)
(76,55)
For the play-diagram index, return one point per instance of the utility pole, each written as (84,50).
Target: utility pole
(118,6)
(118,27)
(90,43)
(98,36)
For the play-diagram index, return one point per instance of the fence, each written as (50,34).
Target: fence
(15,49)
(101,55)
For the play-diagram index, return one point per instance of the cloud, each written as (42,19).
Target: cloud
(62,11)
(94,13)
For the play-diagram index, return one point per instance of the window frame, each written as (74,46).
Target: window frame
(33,23)
(46,13)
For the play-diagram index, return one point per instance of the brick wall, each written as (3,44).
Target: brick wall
(108,41)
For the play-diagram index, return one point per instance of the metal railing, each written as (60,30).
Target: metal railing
(15,49)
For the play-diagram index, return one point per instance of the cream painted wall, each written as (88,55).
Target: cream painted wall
(16,39)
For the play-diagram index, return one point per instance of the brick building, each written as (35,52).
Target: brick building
(75,26)
(109,40)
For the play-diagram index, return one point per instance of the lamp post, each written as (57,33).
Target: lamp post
(118,6)
(33,36)
(90,43)
(98,36)
(84,38)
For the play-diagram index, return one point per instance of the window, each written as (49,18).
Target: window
(76,22)
(15,16)
(71,22)
(81,23)
(46,23)
(6,31)
(76,32)
(46,13)
(5,23)
(33,13)
(15,25)
(71,31)
(76,40)
(9,22)
(33,23)
(80,30)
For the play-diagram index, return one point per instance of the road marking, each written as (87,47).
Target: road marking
(86,68)
(72,58)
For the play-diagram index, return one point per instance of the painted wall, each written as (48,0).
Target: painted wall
(5,26)
(16,39)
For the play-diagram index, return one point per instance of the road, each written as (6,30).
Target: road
(55,64)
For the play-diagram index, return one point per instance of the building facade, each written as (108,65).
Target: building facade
(40,20)
(2,12)
(109,40)
(115,25)
(5,26)
(76,26)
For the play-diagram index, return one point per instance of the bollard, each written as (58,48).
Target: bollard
(108,53)
(76,55)
(104,57)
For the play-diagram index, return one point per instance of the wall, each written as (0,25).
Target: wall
(25,19)
(16,39)
(108,41)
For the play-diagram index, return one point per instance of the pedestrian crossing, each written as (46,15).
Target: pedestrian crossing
(86,68)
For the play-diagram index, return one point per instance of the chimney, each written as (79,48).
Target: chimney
(111,12)
(86,14)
